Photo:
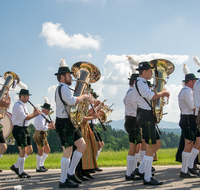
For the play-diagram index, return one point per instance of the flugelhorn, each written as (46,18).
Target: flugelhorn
(11,79)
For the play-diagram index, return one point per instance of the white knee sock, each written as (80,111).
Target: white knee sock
(98,153)
(64,168)
(44,156)
(148,165)
(26,156)
(75,160)
(193,156)
(130,161)
(1,155)
(185,161)
(38,161)
(21,164)
(142,166)
(17,163)
(135,161)
(141,155)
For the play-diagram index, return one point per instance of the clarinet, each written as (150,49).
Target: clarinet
(40,114)
(104,128)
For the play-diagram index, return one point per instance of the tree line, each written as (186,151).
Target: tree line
(114,139)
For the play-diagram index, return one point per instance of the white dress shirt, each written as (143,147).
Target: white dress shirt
(130,102)
(19,113)
(67,97)
(185,100)
(196,94)
(145,92)
(40,123)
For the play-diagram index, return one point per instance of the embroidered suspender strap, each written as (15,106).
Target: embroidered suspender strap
(60,95)
(24,112)
(141,95)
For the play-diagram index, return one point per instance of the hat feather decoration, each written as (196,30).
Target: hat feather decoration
(46,100)
(22,85)
(63,63)
(132,63)
(185,69)
(196,60)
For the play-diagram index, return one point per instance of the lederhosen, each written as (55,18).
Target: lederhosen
(132,128)
(65,130)
(2,140)
(189,126)
(145,119)
(40,138)
(21,134)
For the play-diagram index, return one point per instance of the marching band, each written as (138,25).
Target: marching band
(77,114)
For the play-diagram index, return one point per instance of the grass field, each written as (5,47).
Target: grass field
(105,159)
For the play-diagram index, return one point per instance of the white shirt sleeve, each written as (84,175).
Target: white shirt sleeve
(67,96)
(188,96)
(18,110)
(145,91)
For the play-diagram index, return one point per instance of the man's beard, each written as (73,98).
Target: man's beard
(68,82)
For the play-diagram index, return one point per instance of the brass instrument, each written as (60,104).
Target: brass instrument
(11,79)
(104,113)
(85,73)
(163,68)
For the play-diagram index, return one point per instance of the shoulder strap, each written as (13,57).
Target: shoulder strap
(128,91)
(141,95)
(24,112)
(60,95)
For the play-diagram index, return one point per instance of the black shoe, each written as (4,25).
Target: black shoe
(193,171)
(91,171)
(24,175)
(73,178)
(152,182)
(68,184)
(187,175)
(136,171)
(44,168)
(40,170)
(86,174)
(80,177)
(1,170)
(98,169)
(131,177)
(14,169)
(153,169)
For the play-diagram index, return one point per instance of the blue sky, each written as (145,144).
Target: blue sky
(35,35)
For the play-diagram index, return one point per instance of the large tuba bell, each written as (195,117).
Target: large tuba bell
(11,79)
(163,68)
(85,73)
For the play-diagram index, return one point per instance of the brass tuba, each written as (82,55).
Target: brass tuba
(11,79)
(163,68)
(85,73)
(105,112)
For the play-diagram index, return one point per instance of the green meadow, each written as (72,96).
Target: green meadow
(105,159)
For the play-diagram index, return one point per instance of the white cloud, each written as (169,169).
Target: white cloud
(51,68)
(55,35)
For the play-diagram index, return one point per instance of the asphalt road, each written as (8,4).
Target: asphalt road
(109,178)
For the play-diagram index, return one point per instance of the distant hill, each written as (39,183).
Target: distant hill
(163,125)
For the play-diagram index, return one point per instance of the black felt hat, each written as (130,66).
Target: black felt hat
(190,76)
(63,70)
(144,65)
(46,106)
(134,76)
(24,92)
